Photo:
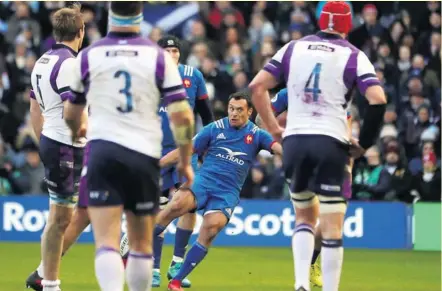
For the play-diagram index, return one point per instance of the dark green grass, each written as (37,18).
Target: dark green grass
(241,269)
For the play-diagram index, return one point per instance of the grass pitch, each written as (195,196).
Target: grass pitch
(241,269)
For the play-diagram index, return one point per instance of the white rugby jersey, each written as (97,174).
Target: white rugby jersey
(320,71)
(50,88)
(122,78)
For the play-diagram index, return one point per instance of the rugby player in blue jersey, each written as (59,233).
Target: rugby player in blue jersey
(230,146)
(193,82)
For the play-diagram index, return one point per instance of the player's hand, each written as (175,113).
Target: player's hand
(81,132)
(187,173)
(276,133)
(356,151)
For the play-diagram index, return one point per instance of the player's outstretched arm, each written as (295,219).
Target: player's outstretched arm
(37,118)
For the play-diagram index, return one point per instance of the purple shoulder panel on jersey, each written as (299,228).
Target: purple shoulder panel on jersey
(286,60)
(63,54)
(32,94)
(160,69)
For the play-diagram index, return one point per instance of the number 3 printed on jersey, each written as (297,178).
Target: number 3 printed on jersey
(314,90)
(126,91)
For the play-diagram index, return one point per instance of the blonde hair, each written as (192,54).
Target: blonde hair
(67,23)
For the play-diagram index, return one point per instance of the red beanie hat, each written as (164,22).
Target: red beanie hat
(336,16)
(430,157)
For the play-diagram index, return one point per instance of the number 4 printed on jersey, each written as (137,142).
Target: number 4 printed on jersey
(315,89)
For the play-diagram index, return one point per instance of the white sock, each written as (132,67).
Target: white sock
(40,270)
(303,244)
(176,259)
(332,256)
(139,271)
(109,269)
(50,285)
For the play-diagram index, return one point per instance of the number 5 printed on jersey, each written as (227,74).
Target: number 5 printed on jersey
(315,89)
(125,91)
(40,100)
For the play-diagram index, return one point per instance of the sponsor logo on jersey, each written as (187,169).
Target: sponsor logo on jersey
(321,47)
(187,83)
(248,139)
(231,156)
(221,136)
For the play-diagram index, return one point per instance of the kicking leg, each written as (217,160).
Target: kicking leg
(213,223)
(185,226)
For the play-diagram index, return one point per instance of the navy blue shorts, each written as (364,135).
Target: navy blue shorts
(63,164)
(315,163)
(117,175)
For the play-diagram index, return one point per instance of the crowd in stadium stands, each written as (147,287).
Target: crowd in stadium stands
(230,42)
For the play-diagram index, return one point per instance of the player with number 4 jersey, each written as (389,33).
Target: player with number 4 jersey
(319,72)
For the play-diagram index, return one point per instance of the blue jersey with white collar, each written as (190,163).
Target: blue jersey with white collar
(193,82)
(230,152)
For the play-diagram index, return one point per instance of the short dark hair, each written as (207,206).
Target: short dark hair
(126,8)
(242,95)
(67,23)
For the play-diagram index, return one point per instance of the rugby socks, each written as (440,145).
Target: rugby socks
(303,244)
(109,269)
(157,251)
(331,262)
(50,285)
(158,246)
(182,237)
(40,270)
(139,271)
(195,255)
(315,256)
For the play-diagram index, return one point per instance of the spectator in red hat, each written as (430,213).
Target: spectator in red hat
(427,183)
(370,28)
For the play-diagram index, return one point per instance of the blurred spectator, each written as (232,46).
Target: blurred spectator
(371,28)
(427,183)
(418,69)
(416,165)
(6,168)
(400,177)
(218,82)
(259,180)
(29,178)
(22,22)
(156,34)
(277,181)
(370,182)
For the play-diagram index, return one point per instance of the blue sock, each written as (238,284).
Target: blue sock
(158,229)
(182,237)
(315,256)
(157,250)
(195,255)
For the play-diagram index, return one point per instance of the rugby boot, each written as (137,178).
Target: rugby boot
(315,275)
(34,282)
(156,279)
(173,271)
(174,285)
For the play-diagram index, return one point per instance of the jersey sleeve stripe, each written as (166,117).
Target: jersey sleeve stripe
(66,95)
(171,89)
(77,98)
(160,70)
(64,90)
(274,68)
(174,97)
(32,94)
